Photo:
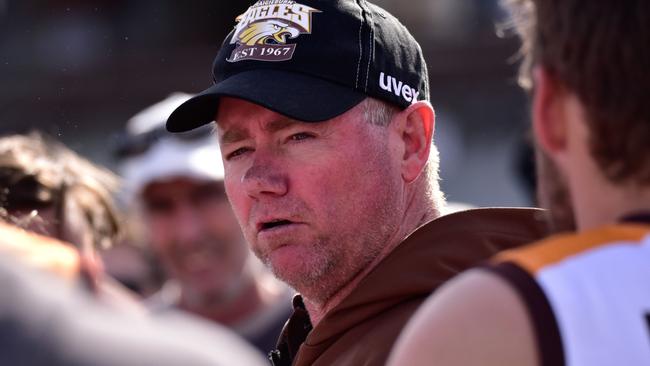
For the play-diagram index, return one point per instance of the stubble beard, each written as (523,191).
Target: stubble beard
(329,271)
(338,255)
(335,257)
(313,280)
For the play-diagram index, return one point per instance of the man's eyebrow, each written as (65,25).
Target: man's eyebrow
(277,125)
(233,135)
(237,134)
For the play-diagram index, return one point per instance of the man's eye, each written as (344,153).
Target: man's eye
(301,136)
(238,152)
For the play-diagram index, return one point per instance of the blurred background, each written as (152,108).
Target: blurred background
(79,69)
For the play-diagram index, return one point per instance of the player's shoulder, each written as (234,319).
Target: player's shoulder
(476,318)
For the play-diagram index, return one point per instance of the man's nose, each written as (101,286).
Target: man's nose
(264,179)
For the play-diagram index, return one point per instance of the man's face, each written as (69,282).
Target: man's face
(316,201)
(193,231)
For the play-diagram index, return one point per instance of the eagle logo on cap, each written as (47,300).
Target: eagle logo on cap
(262,31)
(268,32)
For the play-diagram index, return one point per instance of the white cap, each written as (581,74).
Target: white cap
(169,156)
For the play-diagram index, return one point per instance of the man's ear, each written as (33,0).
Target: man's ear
(415,128)
(549,118)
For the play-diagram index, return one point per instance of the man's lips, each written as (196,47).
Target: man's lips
(271,224)
(279,233)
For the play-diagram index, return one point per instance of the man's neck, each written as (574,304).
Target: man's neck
(416,216)
(317,311)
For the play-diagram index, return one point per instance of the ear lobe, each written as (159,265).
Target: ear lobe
(416,135)
(549,122)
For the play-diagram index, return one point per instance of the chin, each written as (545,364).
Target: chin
(292,261)
(313,279)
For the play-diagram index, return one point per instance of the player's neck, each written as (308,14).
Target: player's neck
(613,213)
(611,205)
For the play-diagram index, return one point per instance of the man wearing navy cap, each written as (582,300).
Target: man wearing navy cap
(325,128)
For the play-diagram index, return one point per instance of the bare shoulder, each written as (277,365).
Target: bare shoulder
(475,319)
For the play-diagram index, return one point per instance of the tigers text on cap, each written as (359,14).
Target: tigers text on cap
(311,60)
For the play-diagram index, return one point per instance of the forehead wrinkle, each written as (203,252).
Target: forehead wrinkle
(233,135)
(238,133)
(279,124)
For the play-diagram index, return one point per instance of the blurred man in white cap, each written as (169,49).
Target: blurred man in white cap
(177,183)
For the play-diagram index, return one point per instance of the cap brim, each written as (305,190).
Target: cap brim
(297,96)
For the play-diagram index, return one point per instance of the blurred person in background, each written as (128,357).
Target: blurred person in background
(176,183)
(57,306)
(131,261)
(579,297)
(134,266)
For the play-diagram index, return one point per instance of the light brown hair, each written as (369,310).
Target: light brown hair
(599,51)
(38,172)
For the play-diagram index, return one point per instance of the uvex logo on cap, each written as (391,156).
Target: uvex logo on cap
(399,88)
(262,31)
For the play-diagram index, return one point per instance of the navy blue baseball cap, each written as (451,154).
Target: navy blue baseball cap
(311,60)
